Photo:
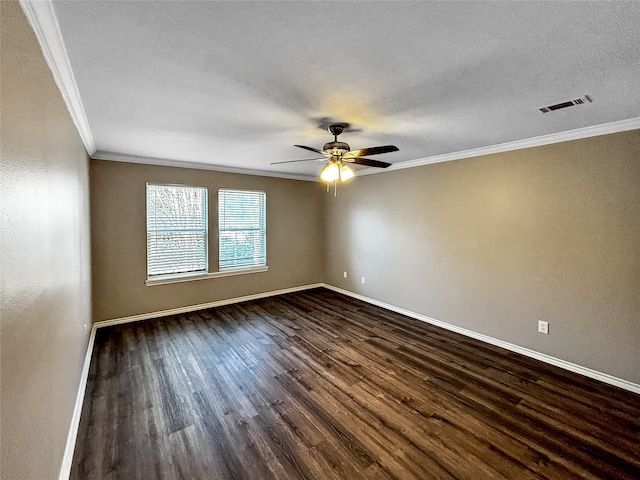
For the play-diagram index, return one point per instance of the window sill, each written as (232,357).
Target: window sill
(166,279)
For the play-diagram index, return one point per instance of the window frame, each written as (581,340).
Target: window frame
(177,276)
(199,275)
(263,230)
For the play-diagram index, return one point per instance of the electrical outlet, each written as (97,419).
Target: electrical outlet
(543,327)
(363,280)
(345,274)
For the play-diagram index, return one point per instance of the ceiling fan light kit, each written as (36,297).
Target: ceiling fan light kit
(335,171)
(346,173)
(330,172)
(339,155)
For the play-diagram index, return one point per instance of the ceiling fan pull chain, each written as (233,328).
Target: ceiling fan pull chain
(335,188)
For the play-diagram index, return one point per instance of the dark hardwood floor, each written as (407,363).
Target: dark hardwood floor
(316,385)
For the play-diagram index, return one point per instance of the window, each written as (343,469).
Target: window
(242,229)
(176,230)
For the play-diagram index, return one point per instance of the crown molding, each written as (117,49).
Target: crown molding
(163,162)
(586,132)
(580,133)
(43,21)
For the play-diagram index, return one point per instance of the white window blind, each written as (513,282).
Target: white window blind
(242,229)
(176,230)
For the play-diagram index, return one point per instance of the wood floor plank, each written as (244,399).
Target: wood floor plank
(317,385)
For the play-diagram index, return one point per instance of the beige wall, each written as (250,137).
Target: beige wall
(45,265)
(495,243)
(118,219)
(491,244)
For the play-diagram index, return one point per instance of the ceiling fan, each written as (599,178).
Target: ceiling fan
(339,155)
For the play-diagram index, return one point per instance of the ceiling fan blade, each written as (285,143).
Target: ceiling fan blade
(311,149)
(368,162)
(372,151)
(301,160)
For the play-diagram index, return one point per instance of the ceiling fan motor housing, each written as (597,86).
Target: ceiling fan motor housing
(336,148)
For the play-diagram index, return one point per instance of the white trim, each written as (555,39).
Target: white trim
(75,422)
(67,459)
(166,279)
(572,367)
(203,306)
(576,134)
(586,132)
(163,162)
(44,23)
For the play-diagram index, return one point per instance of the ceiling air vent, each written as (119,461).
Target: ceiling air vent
(570,103)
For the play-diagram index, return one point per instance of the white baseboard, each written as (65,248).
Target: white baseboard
(202,306)
(572,367)
(73,432)
(67,459)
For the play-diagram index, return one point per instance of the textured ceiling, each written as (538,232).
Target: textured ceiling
(236,84)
